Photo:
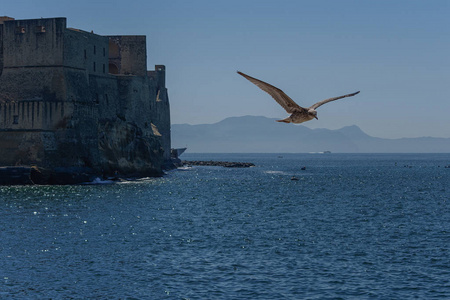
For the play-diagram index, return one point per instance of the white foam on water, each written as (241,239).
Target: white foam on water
(98,180)
(276,172)
(185,168)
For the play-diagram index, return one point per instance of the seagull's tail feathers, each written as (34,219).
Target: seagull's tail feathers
(287,120)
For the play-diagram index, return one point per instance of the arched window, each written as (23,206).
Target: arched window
(113,69)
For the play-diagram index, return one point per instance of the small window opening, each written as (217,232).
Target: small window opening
(20,30)
(97,99)
(94,66)
(104,69)
(40,29)
(106,99)
(16,119)
(85,54)
(95,49)
(104,51)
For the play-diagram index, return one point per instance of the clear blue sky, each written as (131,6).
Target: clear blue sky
(395,52)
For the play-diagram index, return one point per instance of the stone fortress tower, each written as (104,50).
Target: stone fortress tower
(74,100)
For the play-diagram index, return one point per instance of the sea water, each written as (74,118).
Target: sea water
(352,226)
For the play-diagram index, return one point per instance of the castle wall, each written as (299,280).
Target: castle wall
(46,110)
(1,47)
(26,147)
(131,99)
(37,83)
(33,43)
(134,94)
(78,141)
(87,51)
(129,54)
(104,92)
(161,109)
(127,141)
(32,60)
(162,121)
(2,20)
(34,114)
(60,107)
(48,134)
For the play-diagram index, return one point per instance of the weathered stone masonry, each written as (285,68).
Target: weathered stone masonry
(70,98)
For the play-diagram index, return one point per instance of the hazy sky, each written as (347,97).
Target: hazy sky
(395,52)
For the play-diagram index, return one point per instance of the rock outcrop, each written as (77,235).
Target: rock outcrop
(125,149)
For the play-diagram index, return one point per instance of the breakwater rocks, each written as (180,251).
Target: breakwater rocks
(225,164)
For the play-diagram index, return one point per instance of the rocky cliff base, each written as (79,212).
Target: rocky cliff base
(32,175)
(124,148)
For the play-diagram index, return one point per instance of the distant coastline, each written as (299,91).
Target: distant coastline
(253,134)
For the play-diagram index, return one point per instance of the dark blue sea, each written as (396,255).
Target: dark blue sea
(353,226)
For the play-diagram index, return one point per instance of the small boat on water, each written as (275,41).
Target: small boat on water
(322,152)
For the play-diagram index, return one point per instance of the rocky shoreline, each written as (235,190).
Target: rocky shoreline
(26,175)
(210,163)
(30,175)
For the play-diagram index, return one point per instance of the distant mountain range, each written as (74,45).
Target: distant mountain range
(252,134)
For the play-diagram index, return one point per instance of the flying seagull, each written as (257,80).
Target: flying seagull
(298,114)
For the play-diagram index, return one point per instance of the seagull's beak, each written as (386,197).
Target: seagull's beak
(316,117)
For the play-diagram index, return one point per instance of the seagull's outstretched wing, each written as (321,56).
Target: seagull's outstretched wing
(314,106)
(287,103)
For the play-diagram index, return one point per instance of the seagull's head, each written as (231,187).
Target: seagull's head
(313,113)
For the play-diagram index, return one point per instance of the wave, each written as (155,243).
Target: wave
(276,172)
(184,168)
(98,180)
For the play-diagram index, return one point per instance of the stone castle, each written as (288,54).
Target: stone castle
(74,100)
